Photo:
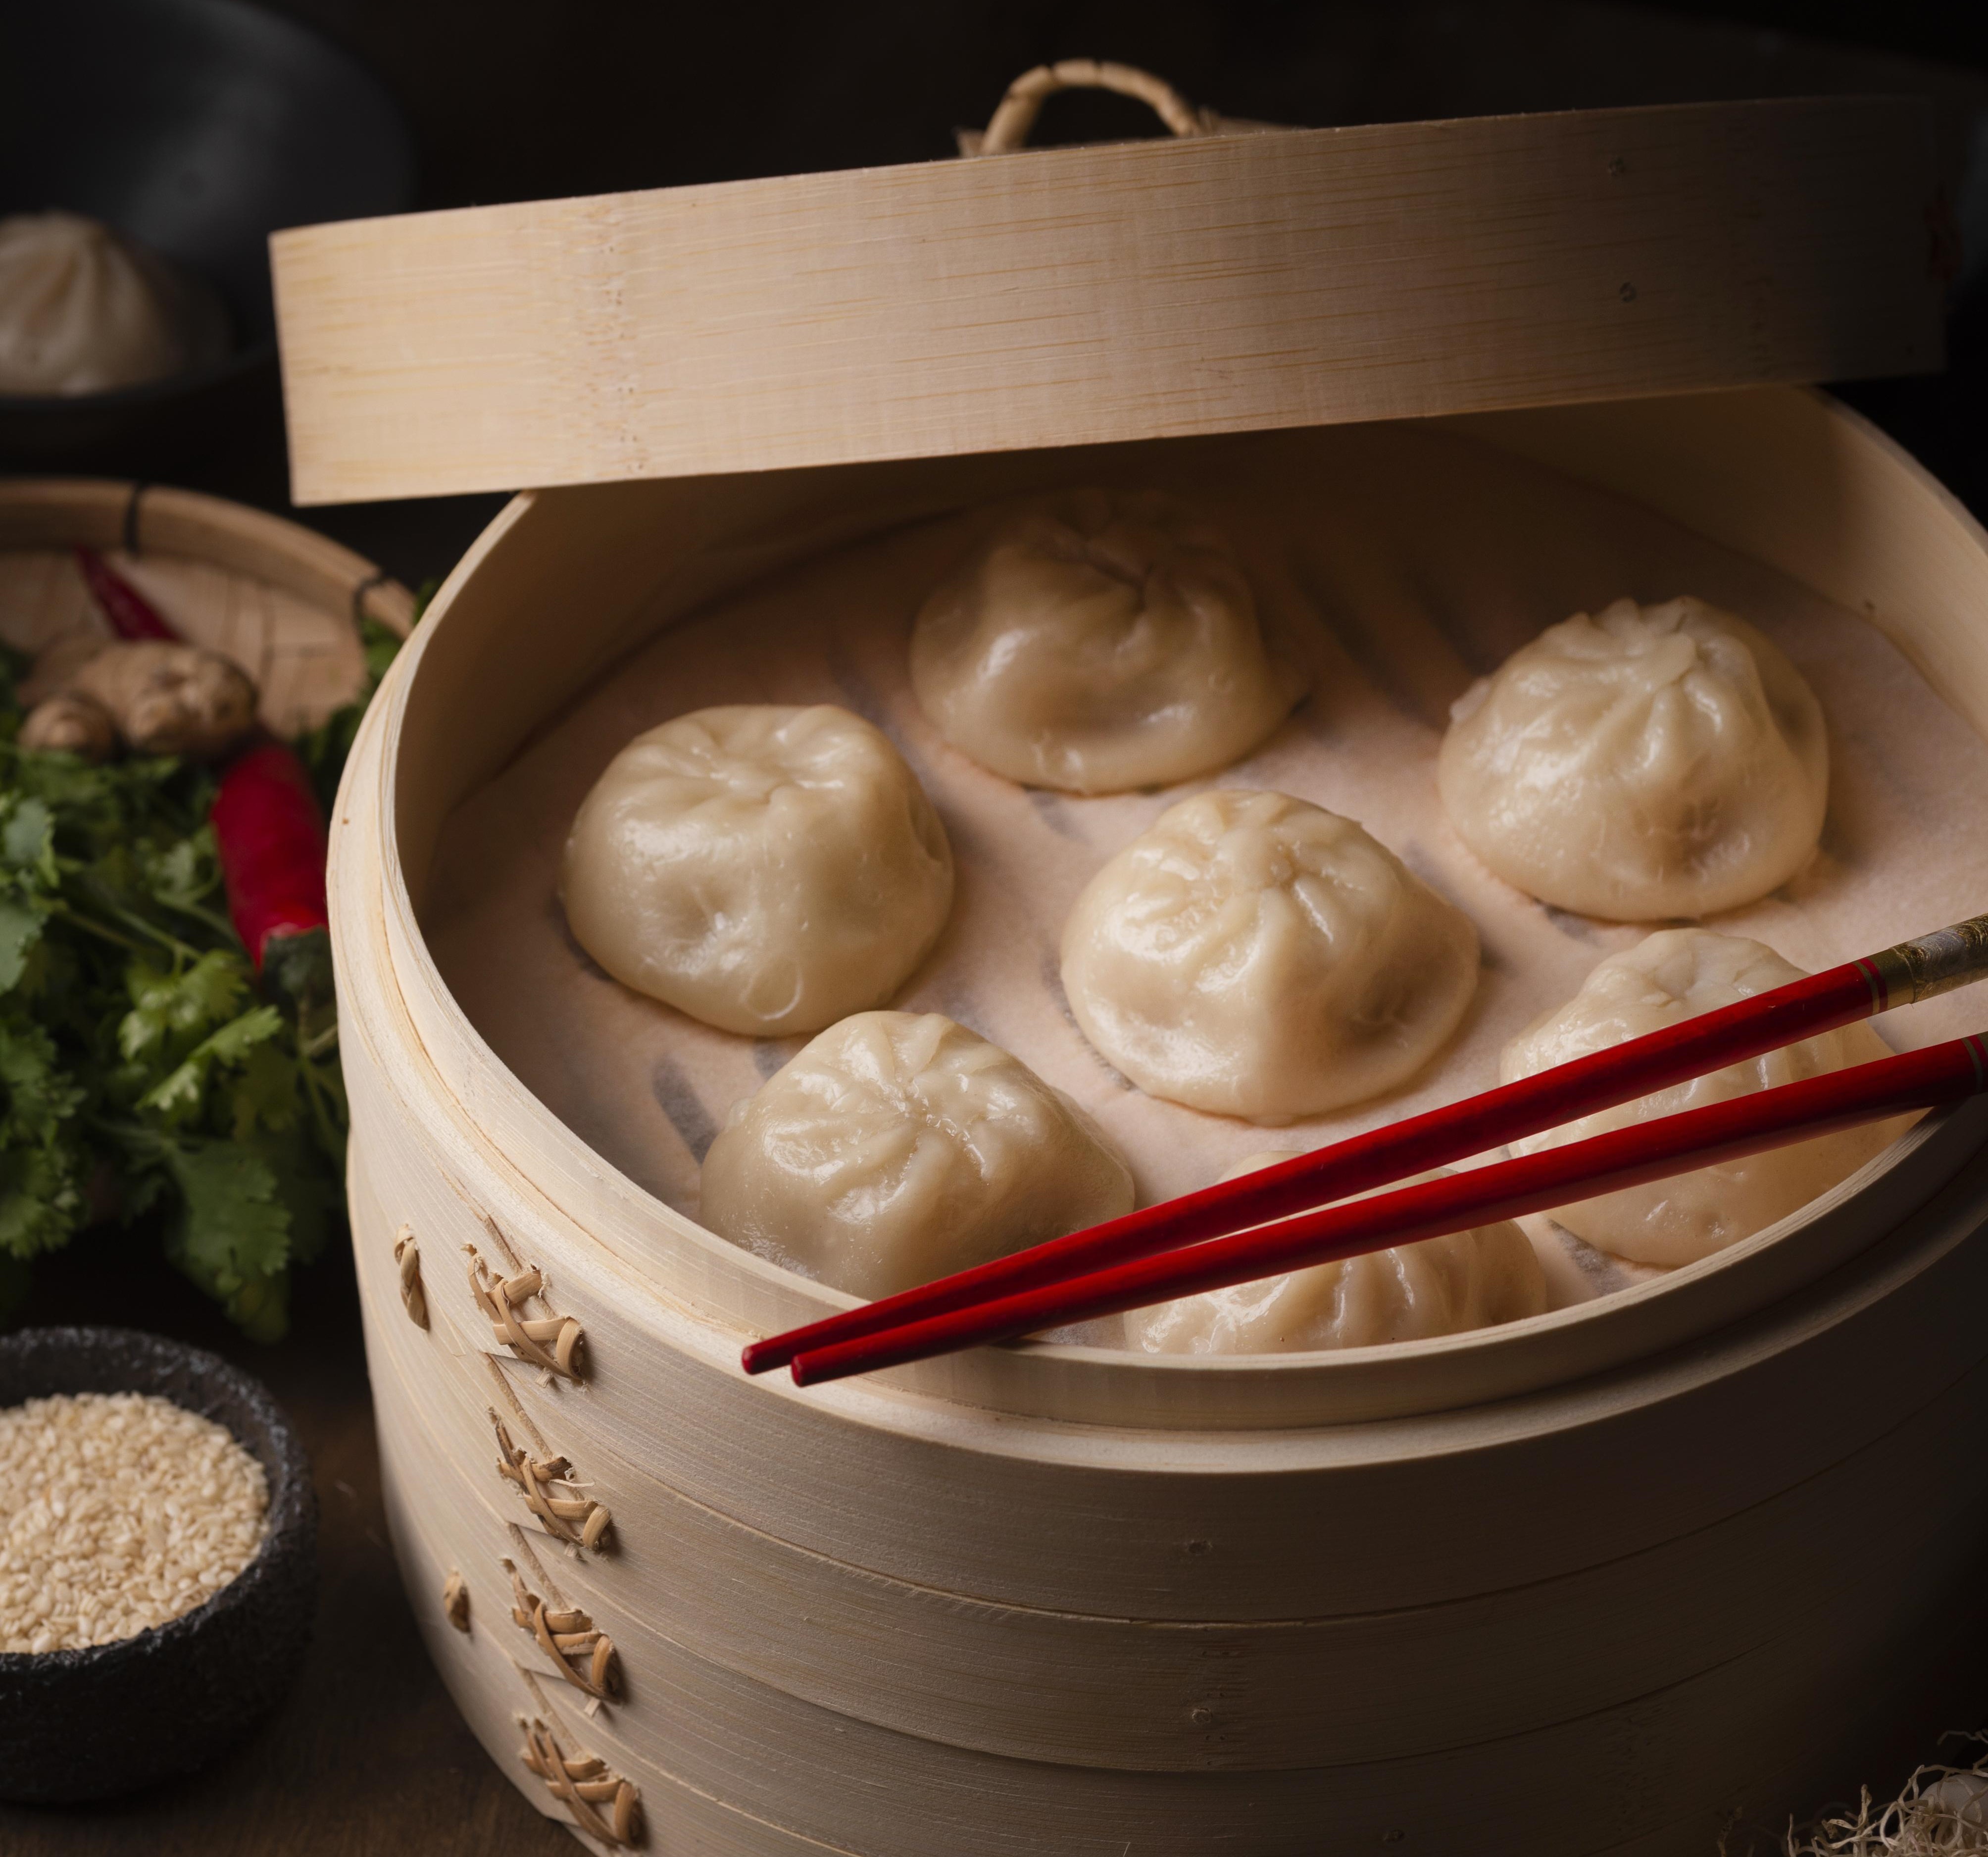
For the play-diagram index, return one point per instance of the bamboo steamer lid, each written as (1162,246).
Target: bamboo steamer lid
(1235,278)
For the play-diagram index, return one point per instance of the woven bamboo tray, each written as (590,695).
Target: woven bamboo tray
(282,601)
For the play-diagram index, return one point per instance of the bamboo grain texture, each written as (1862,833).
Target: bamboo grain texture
(699,1734)
(1202,1694)
(1076,297)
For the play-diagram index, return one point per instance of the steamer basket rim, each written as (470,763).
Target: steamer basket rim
(1940,1145)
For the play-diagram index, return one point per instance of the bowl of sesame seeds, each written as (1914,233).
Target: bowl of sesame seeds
(157,1559)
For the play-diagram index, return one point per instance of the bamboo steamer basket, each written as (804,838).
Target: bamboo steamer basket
(1581,1585)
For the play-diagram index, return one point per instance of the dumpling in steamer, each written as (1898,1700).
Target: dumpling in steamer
(1100,641)
(1462,1280)
(1671,975)
(1657,761)
(82,311)
(898,1147)
(765,869)
(1257,957)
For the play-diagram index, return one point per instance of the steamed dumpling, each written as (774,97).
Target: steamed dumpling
(82,311)
(1258,956)
(1657,761)
(1099,641)
(898,1147)
(1461,1281)
(1674,975)
(765,869)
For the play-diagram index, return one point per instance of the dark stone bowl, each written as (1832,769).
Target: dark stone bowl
(84,1724)
(197,127)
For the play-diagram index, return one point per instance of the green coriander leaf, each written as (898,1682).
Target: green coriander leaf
(178,1096)
(305,1189)
(232,1044)
(28,840)
(20,929)
(84,798)
(113,886)
(324,1085)
(266,1094)
(42,1204)
(43,1164)
(382,644)
(169,1012)
(231,1236)
(34,1092)
(186,872)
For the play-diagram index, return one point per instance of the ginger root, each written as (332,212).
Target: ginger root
(156,698)
(69,724)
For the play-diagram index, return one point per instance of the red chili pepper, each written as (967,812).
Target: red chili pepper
(266,821)
(130,613)
(272,837)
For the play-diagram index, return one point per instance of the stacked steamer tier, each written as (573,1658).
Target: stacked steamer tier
(1591,1582)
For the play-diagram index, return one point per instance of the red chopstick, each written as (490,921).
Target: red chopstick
(1627,1157)
(1913,970)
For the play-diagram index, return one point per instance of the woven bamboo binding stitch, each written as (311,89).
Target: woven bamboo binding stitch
(500,1297)
(455,1599)
(551,1493)
(584,1656)
(581,1782)
(408,1255)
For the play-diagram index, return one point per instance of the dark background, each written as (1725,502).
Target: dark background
(520,99)
(523,99)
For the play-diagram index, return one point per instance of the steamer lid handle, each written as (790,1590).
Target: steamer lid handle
(1014,116)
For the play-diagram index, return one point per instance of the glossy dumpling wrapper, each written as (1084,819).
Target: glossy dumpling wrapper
(82,311)
(898,1147)
(1255,955)
(1653,761)
(1675,975)
(1099,641)
(1448,1285)
(767,870)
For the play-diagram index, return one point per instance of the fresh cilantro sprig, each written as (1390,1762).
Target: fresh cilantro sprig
(143,1069)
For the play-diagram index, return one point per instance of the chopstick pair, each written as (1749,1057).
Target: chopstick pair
(1278,1219)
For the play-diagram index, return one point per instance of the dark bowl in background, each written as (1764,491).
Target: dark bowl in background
(87,1724)
(197,127)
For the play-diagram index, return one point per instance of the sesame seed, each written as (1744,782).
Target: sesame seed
(118,1512)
